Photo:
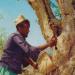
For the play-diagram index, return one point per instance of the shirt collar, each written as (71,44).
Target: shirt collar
(20,35)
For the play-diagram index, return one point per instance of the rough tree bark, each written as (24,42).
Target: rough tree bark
(63,58)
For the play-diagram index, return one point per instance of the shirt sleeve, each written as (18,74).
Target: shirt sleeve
(29,50)
(34,52)
(20,42)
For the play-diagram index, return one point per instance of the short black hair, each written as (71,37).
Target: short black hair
(21,25)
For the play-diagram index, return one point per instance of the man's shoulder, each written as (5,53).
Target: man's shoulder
(14,34)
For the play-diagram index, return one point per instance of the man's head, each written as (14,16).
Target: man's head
(23,26)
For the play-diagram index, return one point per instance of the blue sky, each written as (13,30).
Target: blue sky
(10,10)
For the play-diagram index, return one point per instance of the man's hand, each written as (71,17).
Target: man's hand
(52,41)
(35,66)
(33,63)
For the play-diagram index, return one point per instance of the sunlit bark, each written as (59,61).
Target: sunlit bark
(63,58)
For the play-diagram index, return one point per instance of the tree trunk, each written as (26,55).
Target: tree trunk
(63,58)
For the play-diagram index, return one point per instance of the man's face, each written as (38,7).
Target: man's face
(25,29)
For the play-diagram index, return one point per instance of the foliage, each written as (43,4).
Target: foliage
(2,39)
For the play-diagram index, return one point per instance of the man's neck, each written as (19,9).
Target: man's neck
(21,35)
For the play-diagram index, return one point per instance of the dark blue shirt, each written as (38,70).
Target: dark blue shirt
(16,52)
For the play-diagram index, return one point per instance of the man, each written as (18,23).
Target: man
(17,52)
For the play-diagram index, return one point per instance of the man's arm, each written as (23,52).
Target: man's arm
(51,43)
(32,63)
(34,51)
(21,43)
